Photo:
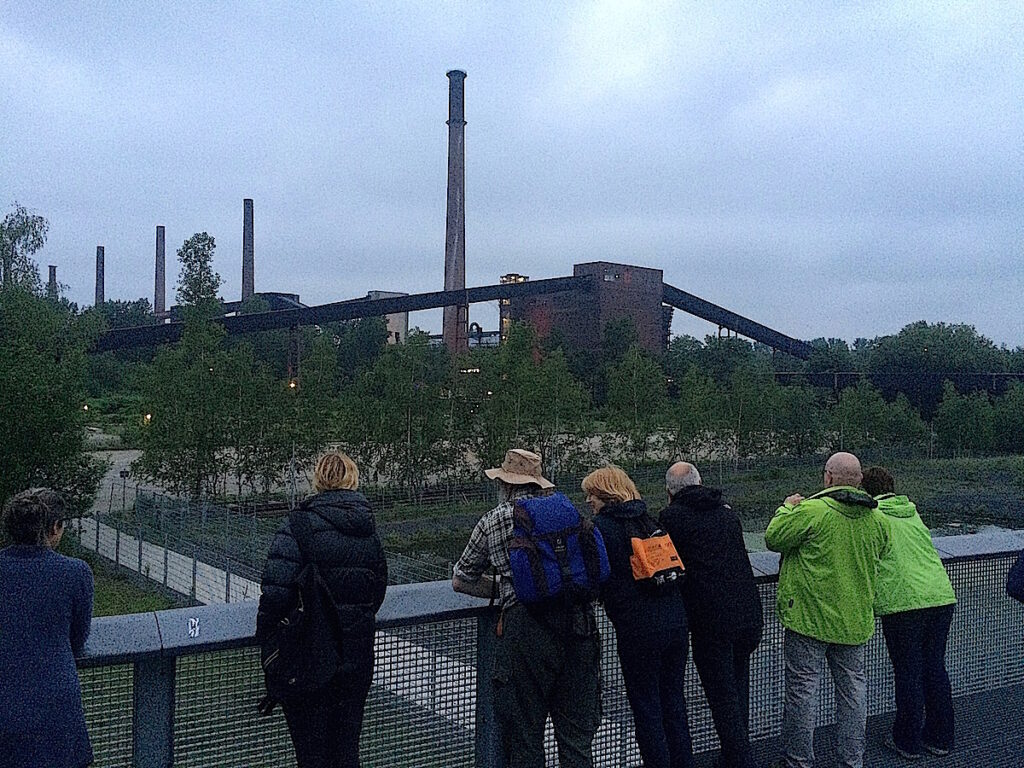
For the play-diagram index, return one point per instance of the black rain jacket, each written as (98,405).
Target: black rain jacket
(345,547)
(719,590)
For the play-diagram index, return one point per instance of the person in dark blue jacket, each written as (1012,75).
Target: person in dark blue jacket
(45,615)
(649,621)
(325,726)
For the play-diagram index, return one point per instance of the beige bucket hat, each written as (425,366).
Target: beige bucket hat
(520,467)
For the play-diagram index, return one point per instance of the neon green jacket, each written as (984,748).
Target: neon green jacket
(831,544)
(911,576)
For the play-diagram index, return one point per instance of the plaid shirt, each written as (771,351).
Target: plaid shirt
(488,547)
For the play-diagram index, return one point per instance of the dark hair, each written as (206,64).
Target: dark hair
(31,515)
(878,480)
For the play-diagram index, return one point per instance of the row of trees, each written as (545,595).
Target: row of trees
(217,415)
(411,416)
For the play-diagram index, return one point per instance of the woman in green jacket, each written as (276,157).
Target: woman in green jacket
(915,602)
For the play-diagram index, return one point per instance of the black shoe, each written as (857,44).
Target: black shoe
(937,751)
(891,744)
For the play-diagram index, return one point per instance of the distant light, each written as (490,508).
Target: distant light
(470,370)
(85,407)
(489,393)
(292,384)
(149,417)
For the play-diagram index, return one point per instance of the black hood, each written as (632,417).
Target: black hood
(348,511)
(624,509)
(698,497)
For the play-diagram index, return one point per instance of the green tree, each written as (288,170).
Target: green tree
(859,418)
(799,420)
(197,282)
(695,412)
(22,233)
(126,314)
(637,400)
(749,414)
(1009,420)
(189,396)
(42,395)
(394,420)
(964,423)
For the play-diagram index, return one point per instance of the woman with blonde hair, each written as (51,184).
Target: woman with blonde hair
(649,620)
(334,530)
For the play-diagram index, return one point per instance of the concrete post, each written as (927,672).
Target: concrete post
(160,275)
(456,318)
(488,737)
(248,259)
(99,275)
(153,712)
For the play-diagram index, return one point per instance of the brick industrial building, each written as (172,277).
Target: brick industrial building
(617,291)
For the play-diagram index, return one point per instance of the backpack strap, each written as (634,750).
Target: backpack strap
(302,531)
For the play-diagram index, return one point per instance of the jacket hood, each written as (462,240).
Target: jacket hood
(698,497)
(850,501)
(895,506)
(625,509)
(348,511)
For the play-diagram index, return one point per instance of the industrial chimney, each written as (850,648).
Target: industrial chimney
(248,262)
(99,275)
(456,318)
(160,277)
(51,285)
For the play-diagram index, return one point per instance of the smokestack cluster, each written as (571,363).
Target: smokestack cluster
(160,276)
(456,318)
(99,275)
(248,260)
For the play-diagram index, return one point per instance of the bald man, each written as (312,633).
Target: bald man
(722,603)
(830,543)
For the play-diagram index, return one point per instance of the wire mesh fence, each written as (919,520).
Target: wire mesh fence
(422,707)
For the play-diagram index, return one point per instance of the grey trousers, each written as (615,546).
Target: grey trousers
(805,661)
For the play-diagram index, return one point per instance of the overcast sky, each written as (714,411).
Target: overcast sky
(836,172)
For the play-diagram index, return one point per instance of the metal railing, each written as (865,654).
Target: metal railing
(180,687)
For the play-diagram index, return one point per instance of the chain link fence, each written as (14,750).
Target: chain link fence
(422,707)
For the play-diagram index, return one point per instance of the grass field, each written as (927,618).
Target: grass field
(953,495)
(115,593)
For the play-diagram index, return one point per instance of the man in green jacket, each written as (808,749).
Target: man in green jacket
(831,544)
(915,601)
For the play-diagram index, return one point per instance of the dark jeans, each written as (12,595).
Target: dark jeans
(653,668)
(924,701)
(723,663)
(547,667)
(325,726)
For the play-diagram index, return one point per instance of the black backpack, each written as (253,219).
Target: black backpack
(302,653)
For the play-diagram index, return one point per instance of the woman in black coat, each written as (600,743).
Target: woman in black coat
(342,541)
(45,614)
(649,621)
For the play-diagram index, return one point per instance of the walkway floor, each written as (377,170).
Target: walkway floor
(989,732)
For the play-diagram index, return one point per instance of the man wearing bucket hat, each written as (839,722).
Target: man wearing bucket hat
(547,662)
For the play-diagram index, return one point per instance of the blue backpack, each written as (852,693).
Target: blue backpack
(555,553)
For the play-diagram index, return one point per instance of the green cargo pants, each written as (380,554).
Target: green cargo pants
(545,665)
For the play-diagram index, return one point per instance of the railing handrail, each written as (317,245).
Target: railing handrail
(200,629)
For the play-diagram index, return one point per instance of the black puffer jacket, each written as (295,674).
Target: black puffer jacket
(719,590)
(631,608)
(345,547)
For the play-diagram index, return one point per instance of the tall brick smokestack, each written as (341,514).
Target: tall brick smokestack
(51,285)
(248,261)
(456,318)
(99,275)
(160,275)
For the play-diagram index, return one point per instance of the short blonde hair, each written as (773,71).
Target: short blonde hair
(335,471)
(610,484)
